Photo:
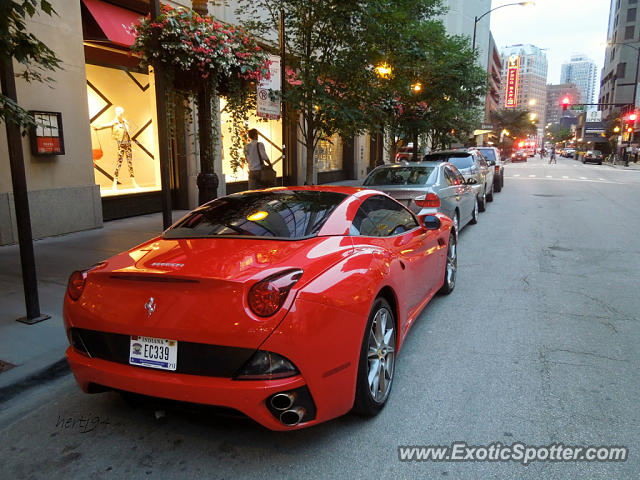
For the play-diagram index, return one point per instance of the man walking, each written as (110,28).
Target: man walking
(552,156)
(256,157)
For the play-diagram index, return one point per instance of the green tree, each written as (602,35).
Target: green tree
(435,89)
(560,133)
(18,44)
(516,121)
(328,71)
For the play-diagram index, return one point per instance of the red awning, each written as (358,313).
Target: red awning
(115,22)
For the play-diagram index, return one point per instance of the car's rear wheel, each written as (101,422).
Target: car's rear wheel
(451,267)
(497,184)
(377,360)
(475,214)
(482,201)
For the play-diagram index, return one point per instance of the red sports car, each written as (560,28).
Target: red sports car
(287,304)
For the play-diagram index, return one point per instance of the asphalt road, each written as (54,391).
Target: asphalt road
(538,344)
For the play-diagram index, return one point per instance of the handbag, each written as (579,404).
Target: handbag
(97,153)
(267,173)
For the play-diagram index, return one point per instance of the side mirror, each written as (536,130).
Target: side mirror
(430,222)
(471,181)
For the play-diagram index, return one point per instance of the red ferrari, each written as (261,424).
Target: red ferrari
(288,304)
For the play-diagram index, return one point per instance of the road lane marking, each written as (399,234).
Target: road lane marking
(564,176)
(583,178)
(531,176)
(575,180)
(549,176)
(517,175)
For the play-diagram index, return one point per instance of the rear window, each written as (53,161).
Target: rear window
(401,176)
(284,214)
(488,153)
(460,160)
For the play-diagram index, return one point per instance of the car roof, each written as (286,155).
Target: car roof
(452,153)
(421,163)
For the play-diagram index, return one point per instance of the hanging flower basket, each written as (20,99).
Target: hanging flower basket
(194,49)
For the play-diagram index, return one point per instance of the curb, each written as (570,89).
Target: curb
(56,369)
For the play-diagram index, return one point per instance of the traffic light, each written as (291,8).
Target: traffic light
(565,102)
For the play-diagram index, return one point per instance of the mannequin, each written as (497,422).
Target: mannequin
(120,133)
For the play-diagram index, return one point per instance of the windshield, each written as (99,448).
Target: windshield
(401,176)
(488,153)
(461,160)
(284,214)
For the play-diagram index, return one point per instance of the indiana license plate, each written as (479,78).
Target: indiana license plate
(153,352)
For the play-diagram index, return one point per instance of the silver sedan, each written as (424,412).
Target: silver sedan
(434,186)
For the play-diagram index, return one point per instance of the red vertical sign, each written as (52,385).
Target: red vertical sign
(513,73)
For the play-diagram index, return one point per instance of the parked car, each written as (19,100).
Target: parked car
(492,156)
(287,304)
(568,152)
(435,186)
(473,166)
(519,156)
(404,153)
(593,156)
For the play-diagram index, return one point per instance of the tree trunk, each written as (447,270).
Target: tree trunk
(200,7)
(207,180)
(310,160)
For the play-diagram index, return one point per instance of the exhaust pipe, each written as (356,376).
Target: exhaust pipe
(283,401)
(292,417)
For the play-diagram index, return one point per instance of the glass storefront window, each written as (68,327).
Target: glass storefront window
(269,133)
(328,154)
(123,132)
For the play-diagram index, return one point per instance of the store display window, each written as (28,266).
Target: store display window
(328,154)
(269,133)
(123,133)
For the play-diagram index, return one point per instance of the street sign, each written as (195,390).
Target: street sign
(577,108)
(266,106)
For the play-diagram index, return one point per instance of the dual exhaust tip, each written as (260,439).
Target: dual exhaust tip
(283,402)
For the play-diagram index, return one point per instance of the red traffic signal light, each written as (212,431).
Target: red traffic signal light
(565,102)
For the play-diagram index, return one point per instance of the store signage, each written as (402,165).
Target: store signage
(268,101)
(513,71)
(46,137)
(594,116)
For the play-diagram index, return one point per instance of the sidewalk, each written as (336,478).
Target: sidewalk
(34,349)
(632,166)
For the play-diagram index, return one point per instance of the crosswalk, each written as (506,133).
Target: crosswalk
(578,178)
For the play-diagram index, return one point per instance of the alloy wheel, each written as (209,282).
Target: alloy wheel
(452,262)
(381,355)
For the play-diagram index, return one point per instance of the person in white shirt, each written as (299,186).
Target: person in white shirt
(256,156)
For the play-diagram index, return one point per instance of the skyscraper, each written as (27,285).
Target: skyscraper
(524,81)
(582,72)
(618,78)
(555,94)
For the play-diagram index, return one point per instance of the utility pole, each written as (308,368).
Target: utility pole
(21,202)
(163,132)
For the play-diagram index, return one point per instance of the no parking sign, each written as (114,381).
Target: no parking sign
(268,102)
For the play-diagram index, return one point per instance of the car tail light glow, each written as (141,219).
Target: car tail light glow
(267,296)
(75,287)
(430,200)
(497,168)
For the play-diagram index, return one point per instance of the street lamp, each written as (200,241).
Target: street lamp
(477,19)
(383,70)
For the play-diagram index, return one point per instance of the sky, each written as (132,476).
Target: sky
(563,27)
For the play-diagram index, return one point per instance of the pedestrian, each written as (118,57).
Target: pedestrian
(256,156)
(552,156)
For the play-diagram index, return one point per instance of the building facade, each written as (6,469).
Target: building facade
(618,78)
(555,94)
(494,69)
(93,179)
(524,81)
(582,72)
(460,20)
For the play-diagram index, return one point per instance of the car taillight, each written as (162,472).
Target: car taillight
(75,287)
(267,296)
(497,168)
(513,155)
(430,200)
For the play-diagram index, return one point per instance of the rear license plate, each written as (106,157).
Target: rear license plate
(153,352)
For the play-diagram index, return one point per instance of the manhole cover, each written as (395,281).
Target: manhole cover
(4,366)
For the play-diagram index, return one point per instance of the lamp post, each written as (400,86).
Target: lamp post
(477,19)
